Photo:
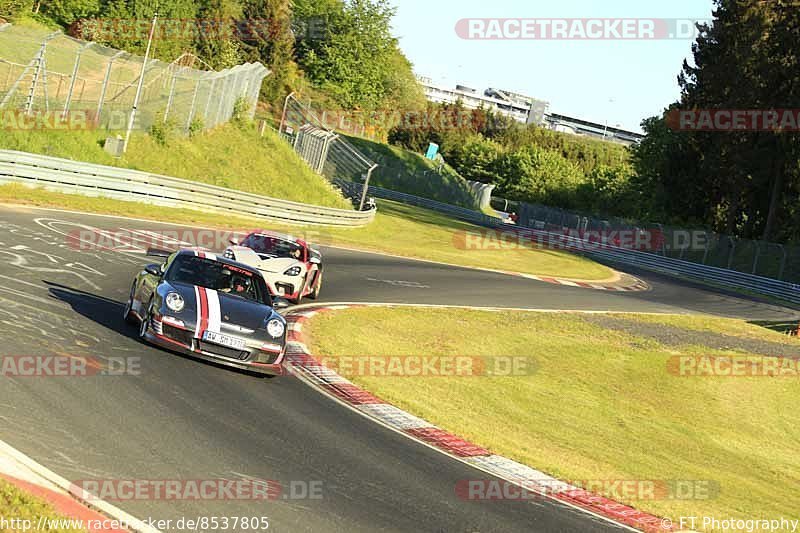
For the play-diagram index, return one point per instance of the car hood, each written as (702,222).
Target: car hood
(218,308)
(278,265)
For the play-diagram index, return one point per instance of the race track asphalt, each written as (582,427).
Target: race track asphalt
(180,419)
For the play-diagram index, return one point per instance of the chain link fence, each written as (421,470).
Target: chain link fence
(701,246)
(327,152)
(58,80)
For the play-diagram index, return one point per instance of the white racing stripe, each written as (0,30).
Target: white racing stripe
(214,314)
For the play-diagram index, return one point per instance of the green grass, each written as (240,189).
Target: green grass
(21,506)
(397,229)
(409,172)
(226,156)
(601,405)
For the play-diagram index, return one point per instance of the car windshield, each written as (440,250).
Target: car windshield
(273,246)
(203,272)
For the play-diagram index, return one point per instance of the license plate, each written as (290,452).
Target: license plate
(223,340)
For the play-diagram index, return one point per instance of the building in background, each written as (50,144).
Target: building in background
(521,108)
(577,126)
(525,109)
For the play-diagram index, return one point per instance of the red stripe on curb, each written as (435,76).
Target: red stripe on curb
(448,442)
(550,280)
(351,394)
(65,505)
(615,510)
(295,336)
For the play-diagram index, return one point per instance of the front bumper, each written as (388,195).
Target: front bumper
(193,347)
(284,286)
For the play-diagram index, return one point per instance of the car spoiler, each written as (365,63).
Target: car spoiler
(155,252)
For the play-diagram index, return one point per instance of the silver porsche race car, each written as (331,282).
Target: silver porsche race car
(290,266)
(211,308)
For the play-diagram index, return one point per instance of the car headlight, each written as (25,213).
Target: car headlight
(229,254)
(294,271)
(174,302)
(275,328)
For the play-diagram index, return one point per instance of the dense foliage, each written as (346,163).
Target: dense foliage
(740,182)
(525,163)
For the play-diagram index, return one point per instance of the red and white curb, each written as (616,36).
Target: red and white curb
(303,364)
(636,286)
(69,501)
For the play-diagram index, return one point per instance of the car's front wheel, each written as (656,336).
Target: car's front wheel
(145,324)
(317,287)
(127,314)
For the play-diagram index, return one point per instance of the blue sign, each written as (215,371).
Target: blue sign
(433,150)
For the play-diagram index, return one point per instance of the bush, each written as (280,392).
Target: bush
(14,8)
(163,131)
(241,113)
(196,126)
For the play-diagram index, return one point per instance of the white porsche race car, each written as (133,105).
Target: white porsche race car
(291,268)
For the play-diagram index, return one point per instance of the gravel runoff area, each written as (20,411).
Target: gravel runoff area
(676,336)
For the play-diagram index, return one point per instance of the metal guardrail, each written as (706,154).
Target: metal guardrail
(786,291)
(353,190)
(65,175)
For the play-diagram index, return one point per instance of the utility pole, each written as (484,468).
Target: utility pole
(141,82)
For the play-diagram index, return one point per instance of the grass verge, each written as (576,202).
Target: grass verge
(601,404)
(228,156)
(24,508)
(398,229)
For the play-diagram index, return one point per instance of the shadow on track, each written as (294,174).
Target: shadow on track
(98,309)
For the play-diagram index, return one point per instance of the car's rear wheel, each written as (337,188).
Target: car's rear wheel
(145,324)
(317,287)
(127,314)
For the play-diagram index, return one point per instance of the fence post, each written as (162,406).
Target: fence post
(194,103)
(732,251)
(223,94)
(208,101)
(74,75)
(285,106)
(105,84)
(365,188)
(783,262)
(171,97)
(755,258)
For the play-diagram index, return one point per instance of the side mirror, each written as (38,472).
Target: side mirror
(280,303)
(233,241)
(153,270)
(314,260)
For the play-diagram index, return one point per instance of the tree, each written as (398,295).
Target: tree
(354,58)
(745,182)
(271,43)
